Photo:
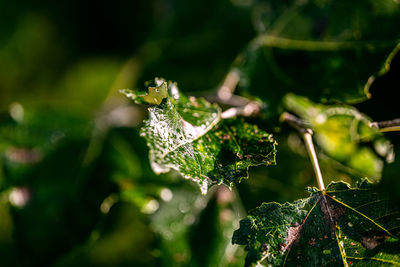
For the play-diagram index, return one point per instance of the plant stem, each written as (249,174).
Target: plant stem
(285,43)
(225,92)
(390,129)
(307,136)
(295,122)
(307,133)
(387,126)
(250,109)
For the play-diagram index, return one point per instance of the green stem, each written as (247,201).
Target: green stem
(307,136)
(307,45)
(390,129)
(307,133)
(387,126)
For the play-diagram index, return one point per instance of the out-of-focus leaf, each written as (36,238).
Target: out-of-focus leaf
(221,217)
(173,221)
(27,127)
(60,189)
(124,238)
(343,134)
(187,134)
(93,79)
(29,135)
(210,33)
(342,226)
(30,59)
(182,218)
(7,244)
(43,155)
(326,50)
(390,183)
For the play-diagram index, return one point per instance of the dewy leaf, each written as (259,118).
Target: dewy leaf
(342,226)
(187,135)
(327,50)
(343,133)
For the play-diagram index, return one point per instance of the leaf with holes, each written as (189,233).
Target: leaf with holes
(342,226)
(188,135)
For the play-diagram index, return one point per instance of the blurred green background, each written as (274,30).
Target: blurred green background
(76,188)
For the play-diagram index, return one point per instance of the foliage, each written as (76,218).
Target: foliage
(326,50)
(348,147)
(339,226)
(90,179)
(186,134)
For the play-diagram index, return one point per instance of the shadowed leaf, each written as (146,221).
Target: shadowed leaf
(330,51)
(344,226)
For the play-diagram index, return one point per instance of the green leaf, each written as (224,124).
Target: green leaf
(327,50)
(111,242)
(343,133)
(156,93)
(390,183)
(173,221)
(188,135)
(32,135)
(221,216)
(341,226)
(180,222)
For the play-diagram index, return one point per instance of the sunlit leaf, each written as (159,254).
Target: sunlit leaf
(342,226)
(188,135)
(343,133)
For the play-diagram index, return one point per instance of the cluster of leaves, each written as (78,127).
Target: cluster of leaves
(331,62)
(76,188)
(72,159)
(190,136)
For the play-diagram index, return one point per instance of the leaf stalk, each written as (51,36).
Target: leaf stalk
(307,133)
(307,136)
(387,126)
